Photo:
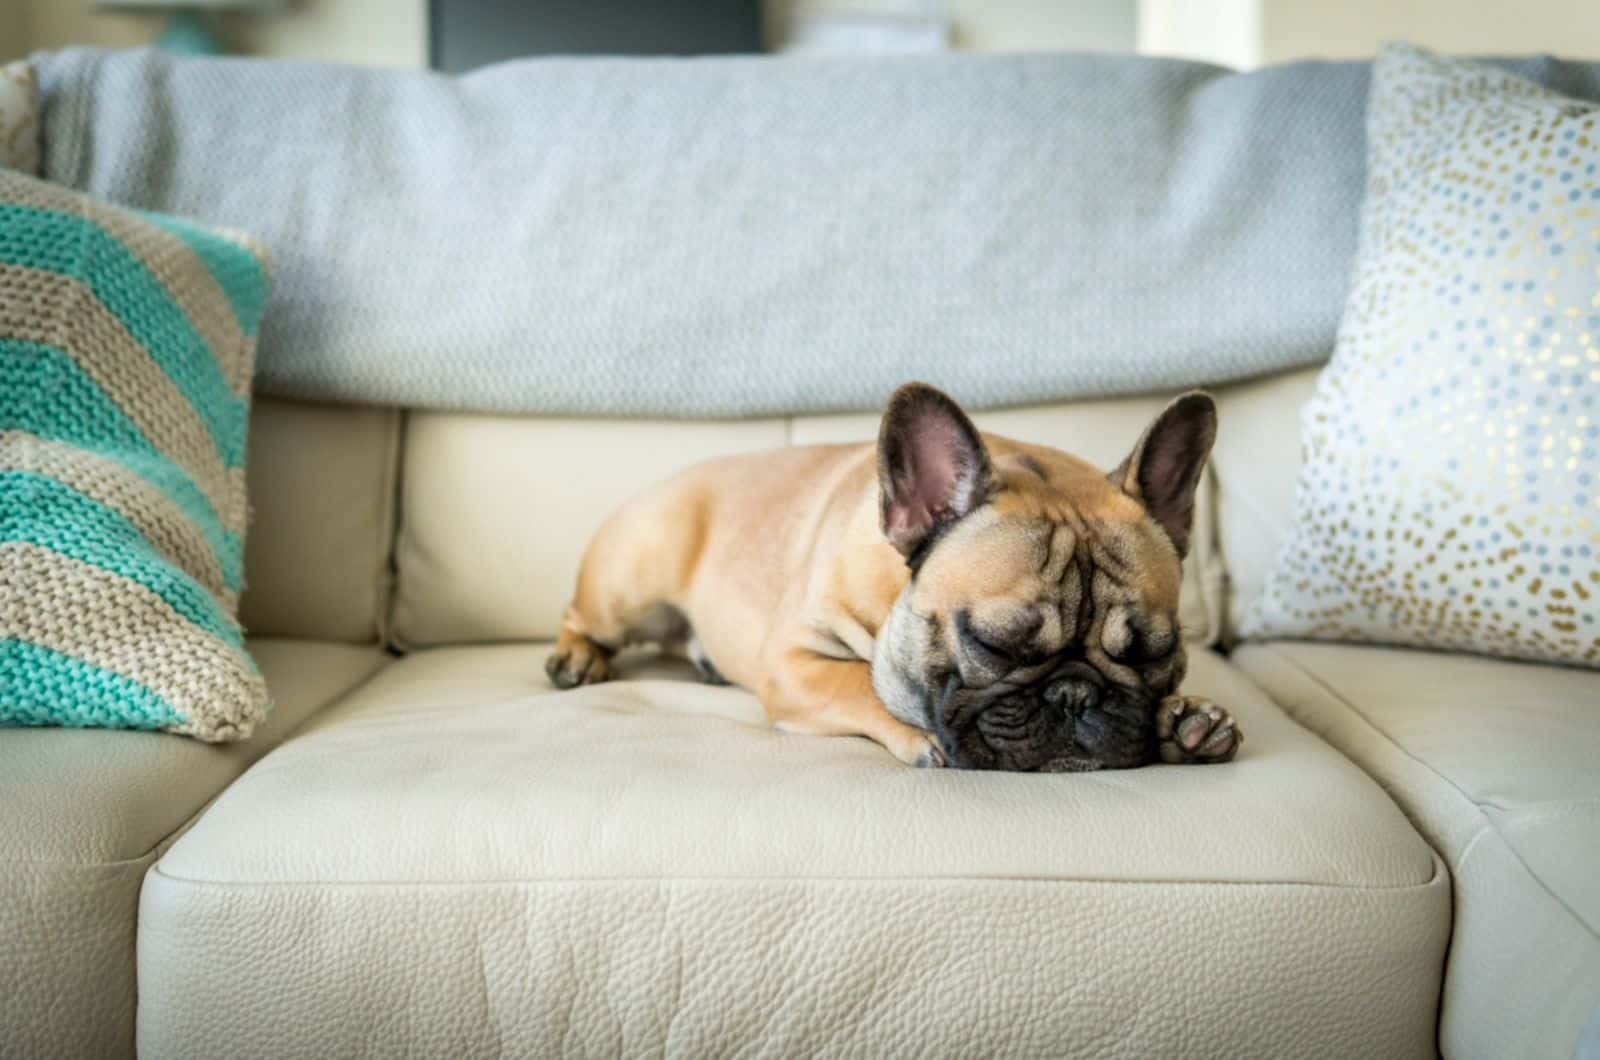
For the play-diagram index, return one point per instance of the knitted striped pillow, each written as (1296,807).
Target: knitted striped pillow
(126,347)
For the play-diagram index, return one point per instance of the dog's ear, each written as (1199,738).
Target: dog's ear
(932,467)
(1164,469)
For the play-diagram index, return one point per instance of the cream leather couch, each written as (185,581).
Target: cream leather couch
(430,852)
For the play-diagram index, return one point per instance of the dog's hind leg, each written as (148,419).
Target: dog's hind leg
(629,585)
(702,663)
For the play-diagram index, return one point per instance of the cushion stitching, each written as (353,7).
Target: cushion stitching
(1494,832)
(385,576)
(1432,880)
(1374,726)
(117,864)
(1543,807)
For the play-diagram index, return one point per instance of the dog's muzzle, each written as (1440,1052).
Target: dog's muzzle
(1070,720)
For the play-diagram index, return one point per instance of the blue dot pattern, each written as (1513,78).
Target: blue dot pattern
(1449,495)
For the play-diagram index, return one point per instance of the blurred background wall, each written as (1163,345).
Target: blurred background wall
(1242,33)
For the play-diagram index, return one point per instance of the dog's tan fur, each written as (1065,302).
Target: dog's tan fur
(775,568)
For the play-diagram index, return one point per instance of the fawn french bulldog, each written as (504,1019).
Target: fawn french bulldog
(963,599)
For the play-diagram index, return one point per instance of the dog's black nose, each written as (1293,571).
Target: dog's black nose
(1072,695)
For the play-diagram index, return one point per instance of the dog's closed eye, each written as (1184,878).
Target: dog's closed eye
(1133,642)
(999,645)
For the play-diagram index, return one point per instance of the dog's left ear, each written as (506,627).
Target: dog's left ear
(1164,469)
(932,467)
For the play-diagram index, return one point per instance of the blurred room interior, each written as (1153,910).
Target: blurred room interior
(1243,34)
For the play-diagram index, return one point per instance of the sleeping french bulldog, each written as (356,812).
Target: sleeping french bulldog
(963,599)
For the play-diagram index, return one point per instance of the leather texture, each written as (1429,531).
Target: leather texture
(321,480)
(645,867)
(1496,764)
(1254,464)
(496,511)
(86,813)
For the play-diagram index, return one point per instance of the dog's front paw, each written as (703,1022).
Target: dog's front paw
(918,749)
(1193,730)
(576,661)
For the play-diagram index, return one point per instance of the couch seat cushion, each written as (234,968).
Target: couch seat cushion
(461,861)
(83,813)
(1498,764)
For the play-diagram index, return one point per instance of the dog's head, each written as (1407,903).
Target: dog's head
(1040,625)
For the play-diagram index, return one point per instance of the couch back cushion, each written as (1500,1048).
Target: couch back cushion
(496,511)
(1255,463)
(321,485)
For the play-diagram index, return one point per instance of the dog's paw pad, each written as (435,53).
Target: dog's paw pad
(1192,730)
(583,663)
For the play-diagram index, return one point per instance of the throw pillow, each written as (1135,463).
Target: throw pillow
(126,347)
(1450,495)
(19,118)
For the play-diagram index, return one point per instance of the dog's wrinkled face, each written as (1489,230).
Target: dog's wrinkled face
(1039,628)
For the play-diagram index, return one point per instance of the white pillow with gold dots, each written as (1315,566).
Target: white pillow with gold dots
(1450,494)
(19,118)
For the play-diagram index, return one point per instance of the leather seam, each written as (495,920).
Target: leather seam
(1374,726)
(385,576)
(1494,833)
(1486,822)
(1544,807)
(1098,881)
(120,863)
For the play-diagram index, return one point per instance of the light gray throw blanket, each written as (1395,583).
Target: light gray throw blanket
(736,237)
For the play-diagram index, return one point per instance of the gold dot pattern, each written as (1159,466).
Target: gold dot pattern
(1450,494)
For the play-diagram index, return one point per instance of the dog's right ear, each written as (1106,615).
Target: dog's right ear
(932,467)
(1163,471)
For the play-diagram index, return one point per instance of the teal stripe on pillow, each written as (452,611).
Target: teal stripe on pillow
(126,349)
(83,415)
(239,275)
(43,687)
(72,246)
(40,511)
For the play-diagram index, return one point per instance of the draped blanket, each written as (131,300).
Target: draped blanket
(746,236)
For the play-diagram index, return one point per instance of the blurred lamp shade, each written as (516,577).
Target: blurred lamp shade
(182,5)
(186,32)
